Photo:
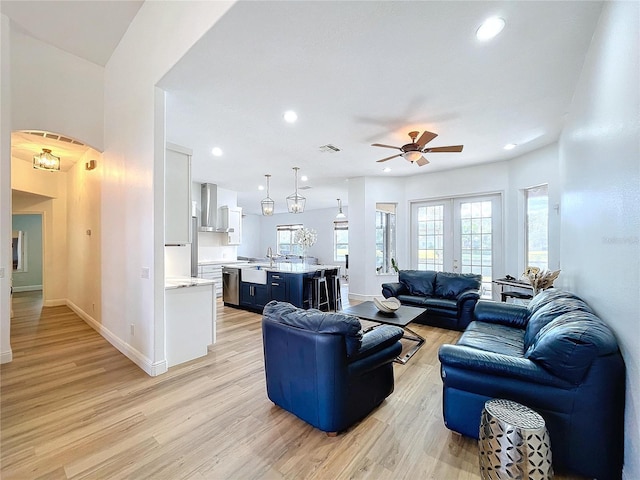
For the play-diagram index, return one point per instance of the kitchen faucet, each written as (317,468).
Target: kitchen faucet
(270,256)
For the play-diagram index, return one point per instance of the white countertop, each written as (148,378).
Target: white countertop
(295,267)
(180,282)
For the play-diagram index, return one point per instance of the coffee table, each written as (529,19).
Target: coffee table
(400,318)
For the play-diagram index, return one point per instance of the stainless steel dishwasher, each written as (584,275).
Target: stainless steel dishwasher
(231,286)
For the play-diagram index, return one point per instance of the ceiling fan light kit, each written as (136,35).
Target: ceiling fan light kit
(413,151)
(267,204)
(295,201)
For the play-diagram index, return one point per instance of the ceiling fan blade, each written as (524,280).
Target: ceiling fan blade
(385,146)
(425,138)
(452,148)
(389,158)
(422,161)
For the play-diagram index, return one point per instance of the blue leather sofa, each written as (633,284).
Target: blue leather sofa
(554,356)
(448,297)
(322,368)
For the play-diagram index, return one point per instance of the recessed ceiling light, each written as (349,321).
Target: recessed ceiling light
(304,178)
(290,116)
(260,187)
(510,146)
(216,151)
(490,28)
(386,169)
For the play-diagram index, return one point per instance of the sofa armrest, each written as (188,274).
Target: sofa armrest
(394,289)
(489,363)
(379,347)
(508,314)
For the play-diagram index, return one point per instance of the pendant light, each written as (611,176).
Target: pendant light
(46,161)
(267,204)
(295,202)
(340,215)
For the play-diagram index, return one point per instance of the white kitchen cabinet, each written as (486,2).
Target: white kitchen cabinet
(212,272)
(190,322)
(231,219)
(177,195)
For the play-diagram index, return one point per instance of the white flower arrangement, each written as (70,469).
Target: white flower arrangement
(306,237)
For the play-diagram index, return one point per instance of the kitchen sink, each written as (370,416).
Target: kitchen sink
(254,275)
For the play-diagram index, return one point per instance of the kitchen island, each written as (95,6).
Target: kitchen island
(284,282)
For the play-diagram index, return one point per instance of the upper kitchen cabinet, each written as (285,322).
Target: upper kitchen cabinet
(177,195)
(231,223)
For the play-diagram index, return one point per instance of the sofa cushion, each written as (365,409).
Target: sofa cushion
(418,282)
(548,296)
(317,321)
(494,338)
(450,285)
(567,346)
(550,311)
(443,303)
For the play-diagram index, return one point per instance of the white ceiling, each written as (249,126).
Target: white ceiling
(88,29)
(358,73)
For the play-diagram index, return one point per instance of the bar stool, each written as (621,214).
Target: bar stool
(513,443)
(318,287)
(334,289)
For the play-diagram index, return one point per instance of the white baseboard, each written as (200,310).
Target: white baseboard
(6,357)
(362,298)
(27,288)
(56,302)
(151,369)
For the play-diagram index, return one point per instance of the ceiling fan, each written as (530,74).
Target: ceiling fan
(413,151)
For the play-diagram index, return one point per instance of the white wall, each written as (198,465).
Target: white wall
(599,161)
(320,220)
(84,230)
(132,190)
(55,91)
(6,354)
(530,170)
(251,245)
(49,198)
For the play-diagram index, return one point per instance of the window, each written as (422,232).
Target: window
(385,236)
(430,237)
(284,238)
(340,241)
(537,227)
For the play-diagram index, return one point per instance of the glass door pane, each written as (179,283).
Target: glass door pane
(478,244)
(430,242)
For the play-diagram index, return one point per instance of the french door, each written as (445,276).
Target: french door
(458,235)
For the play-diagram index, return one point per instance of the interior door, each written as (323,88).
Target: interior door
(461,235)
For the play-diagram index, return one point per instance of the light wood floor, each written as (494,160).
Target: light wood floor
(72,406)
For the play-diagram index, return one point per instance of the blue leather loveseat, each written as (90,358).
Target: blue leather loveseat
(448,297)
(554,356)
(322,368)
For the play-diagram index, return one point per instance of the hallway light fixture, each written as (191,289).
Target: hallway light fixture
(340,215)
(295,202)
(46,161)
(267,203)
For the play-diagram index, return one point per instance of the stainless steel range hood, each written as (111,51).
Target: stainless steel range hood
(209,209)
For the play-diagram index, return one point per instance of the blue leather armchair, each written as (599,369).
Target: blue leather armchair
(449,298)
(554,356)
(322,368)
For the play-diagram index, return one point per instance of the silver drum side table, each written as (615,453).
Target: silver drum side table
(514,443)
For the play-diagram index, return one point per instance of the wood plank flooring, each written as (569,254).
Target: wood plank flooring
(73,407)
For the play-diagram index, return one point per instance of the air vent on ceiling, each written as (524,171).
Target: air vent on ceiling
(306,187)
(53,136)
(329,148)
